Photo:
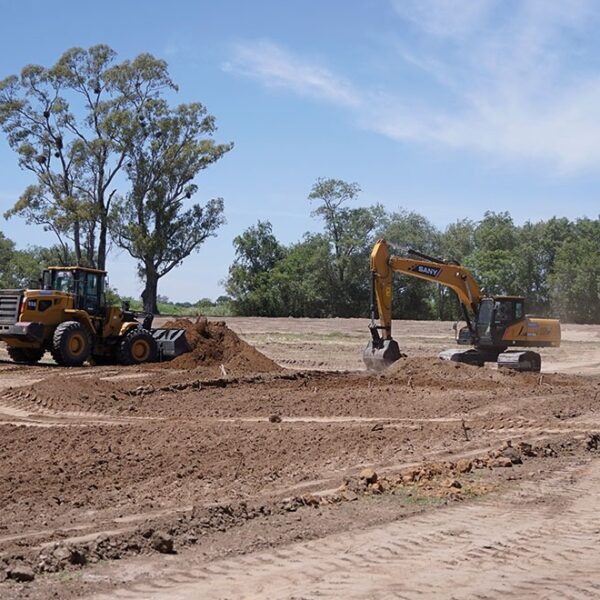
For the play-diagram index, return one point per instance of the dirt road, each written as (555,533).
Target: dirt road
(544,547)
(226,476)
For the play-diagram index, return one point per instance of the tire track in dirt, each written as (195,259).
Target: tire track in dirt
(24,408)
(497,548)
(324,486)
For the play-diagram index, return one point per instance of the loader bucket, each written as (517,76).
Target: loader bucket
(171,342)
(381,354)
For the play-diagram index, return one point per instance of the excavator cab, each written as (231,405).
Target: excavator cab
(494,316)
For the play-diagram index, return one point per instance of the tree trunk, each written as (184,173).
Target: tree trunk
(150,290)
(77,241)
(102,244)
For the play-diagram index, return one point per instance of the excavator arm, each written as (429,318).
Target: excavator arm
(383,265)
(383,350)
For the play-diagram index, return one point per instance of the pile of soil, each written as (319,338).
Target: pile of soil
(430,372)
(213,344)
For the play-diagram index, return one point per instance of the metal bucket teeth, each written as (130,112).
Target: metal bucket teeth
(378,357)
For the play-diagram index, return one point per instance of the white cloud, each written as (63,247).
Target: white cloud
(274,67)
(514,80)
(445,18)
(517,84)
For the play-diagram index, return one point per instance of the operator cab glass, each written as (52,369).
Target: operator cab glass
(484,319)
(91,287)
(86,286)
(508,310)
(495,315)
(61,281)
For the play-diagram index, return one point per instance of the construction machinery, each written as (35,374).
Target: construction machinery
(69,317)
(494,324)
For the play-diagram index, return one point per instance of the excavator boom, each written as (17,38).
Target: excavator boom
(493,324)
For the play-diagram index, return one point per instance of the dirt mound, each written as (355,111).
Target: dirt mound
(213,344)
(435,373)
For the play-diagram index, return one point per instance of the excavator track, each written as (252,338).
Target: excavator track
(520,361)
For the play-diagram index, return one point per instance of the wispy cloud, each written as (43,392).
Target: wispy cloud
(275,67)
(518,79)
(445,18)
(515,80)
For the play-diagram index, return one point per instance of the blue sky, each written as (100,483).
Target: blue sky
(446,107)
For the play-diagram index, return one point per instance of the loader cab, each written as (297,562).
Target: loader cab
(495,315)
(86,286)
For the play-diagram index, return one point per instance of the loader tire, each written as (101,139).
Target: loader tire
(137,346)
(28,356)
(71,344)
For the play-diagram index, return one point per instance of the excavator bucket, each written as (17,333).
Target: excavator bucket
(171,342)
(380,354)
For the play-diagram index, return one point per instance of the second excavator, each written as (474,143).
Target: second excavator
(494,324)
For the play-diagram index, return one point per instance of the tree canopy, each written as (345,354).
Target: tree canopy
(108,154)
(151,221)
(554,264)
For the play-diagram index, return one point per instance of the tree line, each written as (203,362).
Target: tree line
(114,162)
(554,264)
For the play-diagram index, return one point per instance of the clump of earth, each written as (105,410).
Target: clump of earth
(212,344)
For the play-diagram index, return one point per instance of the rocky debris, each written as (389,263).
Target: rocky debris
(162,542)
(275,419)
(549,451)
(57,557)
(592,442)
(368,475)
(513,454)
(453,483)
(293,504)
(464,465)
(501,461)
(20,572)
(349,495)
(566,414)
(526,449)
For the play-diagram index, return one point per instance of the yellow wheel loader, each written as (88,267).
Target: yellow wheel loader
(494,323)
(69,317)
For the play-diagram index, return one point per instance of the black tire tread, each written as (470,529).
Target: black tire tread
(124,356)
(29,356)
(58,354)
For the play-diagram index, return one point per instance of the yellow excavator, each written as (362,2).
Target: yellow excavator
(493,323)
(70,317)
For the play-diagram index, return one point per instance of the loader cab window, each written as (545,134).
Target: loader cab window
(91,291)
(63,281)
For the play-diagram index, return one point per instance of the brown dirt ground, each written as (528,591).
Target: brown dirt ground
(257,439)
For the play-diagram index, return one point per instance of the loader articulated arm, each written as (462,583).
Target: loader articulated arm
(383,266)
